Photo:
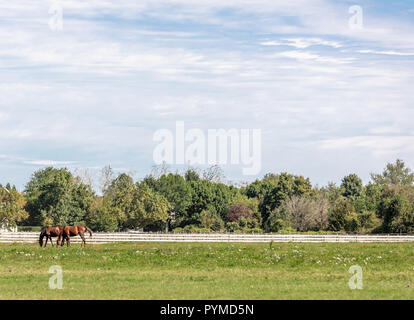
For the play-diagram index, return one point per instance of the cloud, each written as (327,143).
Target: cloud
(95,92)
(304,55)
(391,53)
(48,162)
(303,43)
(379,145)
(36,162)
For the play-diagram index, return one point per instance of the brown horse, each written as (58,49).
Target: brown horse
(72,231)
(50,232)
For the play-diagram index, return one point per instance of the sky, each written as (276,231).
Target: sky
(331,93)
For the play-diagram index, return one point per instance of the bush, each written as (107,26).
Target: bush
(218,225)
(210,220)
(201,230)
(189,228)
(250,203)
(243,222)
(102,217)
(29,228)
(343,217)
(368,221)
(351,222)
(399,215)
(277,220)
(232,226)
(288,230)
(194,229)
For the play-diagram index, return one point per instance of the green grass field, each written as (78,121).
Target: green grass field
(208,271)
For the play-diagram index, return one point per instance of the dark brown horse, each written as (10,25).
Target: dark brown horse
(72,231)
(50,232)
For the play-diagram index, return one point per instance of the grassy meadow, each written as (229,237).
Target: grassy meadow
(177,271)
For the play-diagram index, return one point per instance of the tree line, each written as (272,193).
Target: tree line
(195,201)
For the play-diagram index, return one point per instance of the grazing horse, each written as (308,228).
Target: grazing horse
(50,232)
(69,231)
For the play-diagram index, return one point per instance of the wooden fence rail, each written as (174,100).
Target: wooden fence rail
(32,237)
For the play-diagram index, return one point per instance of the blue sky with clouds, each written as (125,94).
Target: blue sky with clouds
(329,99)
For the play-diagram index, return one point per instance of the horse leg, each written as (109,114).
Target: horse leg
(83,239)
(51,241)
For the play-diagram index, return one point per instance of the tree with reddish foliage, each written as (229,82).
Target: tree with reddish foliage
(237,211)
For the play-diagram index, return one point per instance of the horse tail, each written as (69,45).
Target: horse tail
(62,235)
(89,230)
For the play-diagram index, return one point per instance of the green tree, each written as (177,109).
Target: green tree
(287,185)
(191,175)
(259,188)
(206,195)
(102,217)
(278,220)
(394,174)
(352,186)
(12,205)
(332,191)
(342,216)
(211,220)
(373,194)
(147,208)
(399,215)
(177,191)
(121,194)
(368,221)
(54,197)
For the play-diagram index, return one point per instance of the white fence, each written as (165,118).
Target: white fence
(100,237)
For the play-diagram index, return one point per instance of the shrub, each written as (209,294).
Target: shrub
(194,229)
(232,226)
(277,220)
(218,225)
(368,221)
(210,220)
(189,228)
(399,215)
(343,217)
(201,230)
(288,230)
